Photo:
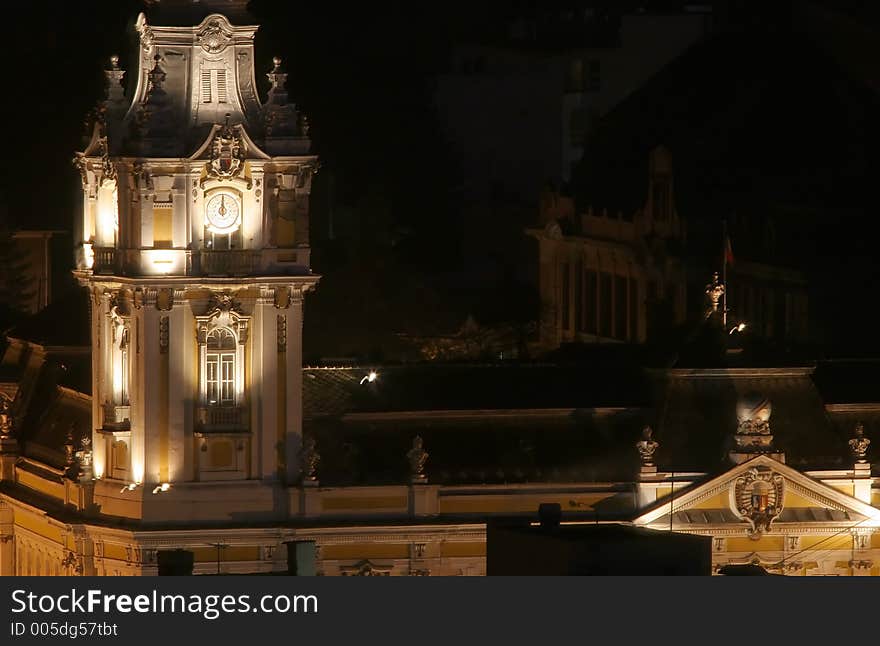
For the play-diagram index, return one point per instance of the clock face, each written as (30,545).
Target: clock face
(222,213)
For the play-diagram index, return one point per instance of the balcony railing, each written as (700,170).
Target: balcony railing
(105,260)
(238,262)
(116,418)
(223,417)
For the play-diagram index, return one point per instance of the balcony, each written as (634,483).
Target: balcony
(116,418)
(223,418)
(238,262)
(110,261)
(105,260)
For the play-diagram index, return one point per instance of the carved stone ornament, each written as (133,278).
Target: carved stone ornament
(753,412)
(647,446)
(282,332)
(163,335)
(5,416)
(714,292)
(858,445)
(417,456)
(72,562)
(146,34)
(214,37)
(227,153)
(224,312)
(757,498)
(83,459)
(364,568)
(309,459)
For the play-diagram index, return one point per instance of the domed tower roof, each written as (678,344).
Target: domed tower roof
(187,12)
(195,73)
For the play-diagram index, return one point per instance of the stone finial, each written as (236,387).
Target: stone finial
(113,82)
(417,456)
(858,445)
(647,446)
(714,292)
(277,77)
(753,412)
(84,457)
(309,459)
(753,434)
(5,417)
(157,76)
(71,470)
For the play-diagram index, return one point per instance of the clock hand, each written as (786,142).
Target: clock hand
(222,209)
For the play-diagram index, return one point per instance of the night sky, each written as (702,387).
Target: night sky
(776,123)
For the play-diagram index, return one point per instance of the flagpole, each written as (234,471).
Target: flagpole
(724,275)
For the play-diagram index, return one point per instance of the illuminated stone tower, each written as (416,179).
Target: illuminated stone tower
(193,244)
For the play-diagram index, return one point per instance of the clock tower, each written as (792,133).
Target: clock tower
(193,242)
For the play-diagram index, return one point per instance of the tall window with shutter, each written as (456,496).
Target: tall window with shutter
(214,86)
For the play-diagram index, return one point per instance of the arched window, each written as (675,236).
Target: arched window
(220,367)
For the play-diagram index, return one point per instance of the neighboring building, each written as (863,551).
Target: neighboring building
(171,411)
(608,276)
(549,78)
(39,247)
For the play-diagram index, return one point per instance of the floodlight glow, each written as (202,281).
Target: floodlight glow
(162,488)
(370,378)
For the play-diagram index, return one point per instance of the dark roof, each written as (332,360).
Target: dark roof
(848,382)
(552,423)
(68,412)
(697,418)
(576,446)
(430,387)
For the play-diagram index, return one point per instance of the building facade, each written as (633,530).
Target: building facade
(611,277)
(181,416)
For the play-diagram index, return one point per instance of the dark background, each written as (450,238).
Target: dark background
(760,121)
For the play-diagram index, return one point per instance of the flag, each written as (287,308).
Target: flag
(728,251)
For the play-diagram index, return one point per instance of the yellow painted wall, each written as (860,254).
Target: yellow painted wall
(35,482)
(162,229)
(366,551)
(745,544)
(462,549)
(794,501)
(115,551)
(721,501)
(364,503)
(39,525)
(842,542)
(848,489)
(517,503)
(232,553)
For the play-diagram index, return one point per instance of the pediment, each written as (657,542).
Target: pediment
(758,495)
(251,149)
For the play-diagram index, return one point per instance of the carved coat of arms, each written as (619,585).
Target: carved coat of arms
(757,497)
(227,153)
